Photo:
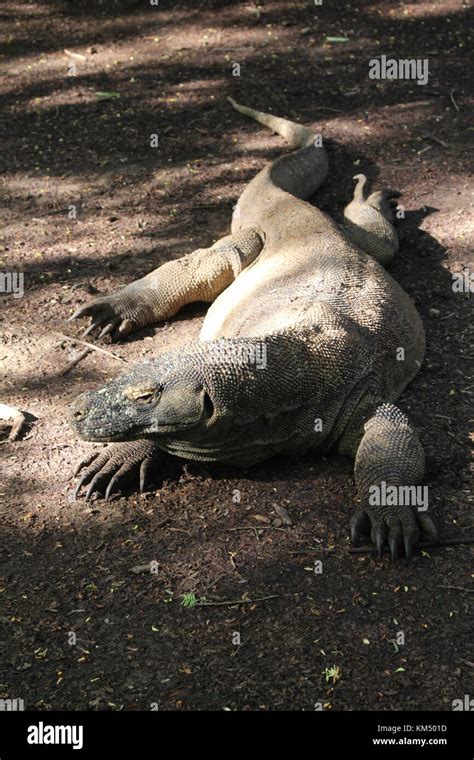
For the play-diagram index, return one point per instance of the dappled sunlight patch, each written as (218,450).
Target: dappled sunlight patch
(414,10)
(46,189)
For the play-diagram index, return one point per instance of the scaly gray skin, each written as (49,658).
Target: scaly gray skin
(306,346)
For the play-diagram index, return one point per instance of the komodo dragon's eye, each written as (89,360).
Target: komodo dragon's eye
(143,395)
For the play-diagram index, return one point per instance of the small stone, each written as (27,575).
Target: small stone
(283,514)
(434,313)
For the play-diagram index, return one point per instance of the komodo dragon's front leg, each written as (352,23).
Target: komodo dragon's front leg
(199,276)
(390,455)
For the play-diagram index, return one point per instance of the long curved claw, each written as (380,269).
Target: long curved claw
(112,483)
(411,534)
(359,525)
(109,327)
(395,541)
(93,326)
(86,461)
(379,536)
(93,485)
(125,470)
(428,527)
(409,545)
(86,310)
(145,468)
(83,481)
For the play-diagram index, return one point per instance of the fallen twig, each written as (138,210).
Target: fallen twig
(313,551)
(370,549)
(451,95)
(422,545)
(77,56)
(141,569)
(75,361)
(233,603)
(459,588)
(436,140)
(90,346)
(258,527)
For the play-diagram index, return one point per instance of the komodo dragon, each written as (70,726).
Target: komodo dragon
(306,346)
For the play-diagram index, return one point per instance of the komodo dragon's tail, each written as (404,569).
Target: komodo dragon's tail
(300,173)
(296,134)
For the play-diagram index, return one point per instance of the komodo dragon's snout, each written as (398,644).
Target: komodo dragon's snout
(148,400)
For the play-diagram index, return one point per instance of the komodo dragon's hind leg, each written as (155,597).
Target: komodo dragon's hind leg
(199,276)
(390,455)
(368,221)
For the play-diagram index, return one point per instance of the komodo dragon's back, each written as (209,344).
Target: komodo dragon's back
(306,345)
(310,270)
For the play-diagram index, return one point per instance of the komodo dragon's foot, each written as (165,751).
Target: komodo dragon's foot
(117,314)
(385,201)
(401,527)
(389,463)
(117,465)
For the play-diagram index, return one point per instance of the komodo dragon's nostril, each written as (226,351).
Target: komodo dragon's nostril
(78,415)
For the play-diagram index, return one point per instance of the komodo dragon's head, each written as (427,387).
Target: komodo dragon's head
(161,396)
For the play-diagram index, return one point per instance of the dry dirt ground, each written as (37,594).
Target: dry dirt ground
(88,203)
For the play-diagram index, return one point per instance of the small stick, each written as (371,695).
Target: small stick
(91,346)
(77,56)
(459,588)
(75,361)
(436,140)
(373,549)
(258,527)
(423,545)
(141,568)
(238,601)
(313,551)
(451,95)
